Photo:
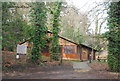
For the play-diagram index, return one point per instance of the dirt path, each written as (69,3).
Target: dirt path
(64,71)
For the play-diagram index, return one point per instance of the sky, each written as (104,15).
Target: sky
(82,5)
(86,5)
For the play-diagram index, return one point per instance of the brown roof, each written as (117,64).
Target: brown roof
(73,41)
(65,38)
(88,47)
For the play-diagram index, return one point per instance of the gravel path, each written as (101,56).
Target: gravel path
(80,65)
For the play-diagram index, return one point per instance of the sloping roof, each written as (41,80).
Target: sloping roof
(73,41)
(68,40)
(88,47)
(65,38)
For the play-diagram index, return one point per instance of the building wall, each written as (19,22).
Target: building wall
(64,42)
(74,55)
(102,54)
(84,54)
(80,53)
(46,53)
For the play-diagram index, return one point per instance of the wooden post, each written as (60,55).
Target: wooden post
(90,59)
(81,54)
(61,56)
(92,54)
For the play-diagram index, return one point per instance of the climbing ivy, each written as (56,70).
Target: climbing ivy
(55,31)
(113,36)
(38,21)
(13,26)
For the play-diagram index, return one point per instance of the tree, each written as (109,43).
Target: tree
(0,26)
(98,19)
(113,36)
(12,26)
(38,21)
(74,24)
(55,31)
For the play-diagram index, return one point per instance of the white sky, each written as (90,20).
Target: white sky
(84,6)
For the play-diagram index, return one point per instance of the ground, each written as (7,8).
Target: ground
(68,70)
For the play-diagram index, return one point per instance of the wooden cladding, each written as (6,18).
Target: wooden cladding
(69,49)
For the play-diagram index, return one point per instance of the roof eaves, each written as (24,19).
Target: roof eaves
(88,47)
(65,38)
(68,40)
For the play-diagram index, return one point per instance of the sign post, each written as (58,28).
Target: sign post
(21,49)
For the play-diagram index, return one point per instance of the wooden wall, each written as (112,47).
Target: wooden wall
(84,54)
(74,56)
(80,52)
(64,42)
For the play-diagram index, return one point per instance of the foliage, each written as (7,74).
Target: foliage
(113,36)
(38,21)
(12,26)
(0,25)
(55,30)
(77,37)
(74,23)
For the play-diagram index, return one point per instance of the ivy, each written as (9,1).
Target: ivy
(38,21)
(12,26)
(55,30)
(113,36)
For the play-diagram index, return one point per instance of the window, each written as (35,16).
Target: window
(45,49)
(69,49)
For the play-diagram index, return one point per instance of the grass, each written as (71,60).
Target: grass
(45,58)
(75,60)
(100,61)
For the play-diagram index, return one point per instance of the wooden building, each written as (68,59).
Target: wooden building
(85,52)
(70,50)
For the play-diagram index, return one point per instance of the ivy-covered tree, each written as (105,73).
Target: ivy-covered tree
(55,31)
(38,21)
(113,36)
(1,34)
(12,26)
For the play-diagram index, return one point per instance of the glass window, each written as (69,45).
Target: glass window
(69,49)
(45,49)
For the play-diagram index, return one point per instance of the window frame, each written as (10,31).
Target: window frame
(68,49)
